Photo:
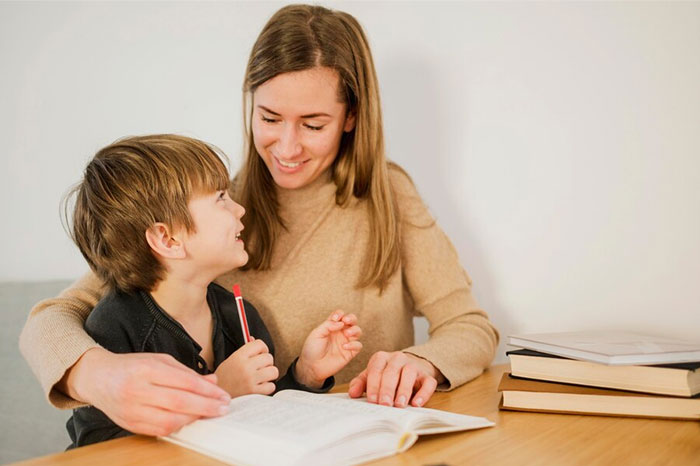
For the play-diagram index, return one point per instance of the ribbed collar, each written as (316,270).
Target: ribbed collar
(308,199)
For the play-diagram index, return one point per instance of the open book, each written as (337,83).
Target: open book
(301,428)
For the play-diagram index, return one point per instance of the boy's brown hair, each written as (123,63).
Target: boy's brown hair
(128,187)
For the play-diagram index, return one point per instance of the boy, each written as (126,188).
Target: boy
(154,220)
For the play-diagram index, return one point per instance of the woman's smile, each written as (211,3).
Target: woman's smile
(290,167)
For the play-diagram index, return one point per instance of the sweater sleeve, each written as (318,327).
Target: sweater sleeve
(54,338)
(462,341)
(112,325)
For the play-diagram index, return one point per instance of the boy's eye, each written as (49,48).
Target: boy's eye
(222,195)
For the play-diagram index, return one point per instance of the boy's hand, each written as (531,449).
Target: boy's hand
(248,370)
(328,348)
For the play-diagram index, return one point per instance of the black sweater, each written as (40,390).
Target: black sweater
(134,323)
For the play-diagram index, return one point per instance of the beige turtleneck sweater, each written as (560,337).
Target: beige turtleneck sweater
(315,267)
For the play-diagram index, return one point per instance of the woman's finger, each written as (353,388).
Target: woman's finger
(183,402)
(406,385)
(158,422)
(375,371)
(390,379)
(165,375)
(357,385)
(426,390)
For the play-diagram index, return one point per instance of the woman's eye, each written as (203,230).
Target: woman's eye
(314,128)
(268,120)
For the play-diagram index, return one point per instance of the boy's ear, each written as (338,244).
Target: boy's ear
(163,243)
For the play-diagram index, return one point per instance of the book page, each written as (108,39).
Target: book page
(418,420)
(290,419)
(293,427)
(273,430)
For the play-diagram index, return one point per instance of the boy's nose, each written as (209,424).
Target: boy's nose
(238,210)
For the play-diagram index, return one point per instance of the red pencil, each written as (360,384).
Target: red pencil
(241,313)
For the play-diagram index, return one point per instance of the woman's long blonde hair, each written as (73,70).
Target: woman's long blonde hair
(297,38)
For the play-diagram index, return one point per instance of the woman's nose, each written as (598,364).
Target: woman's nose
(288,145)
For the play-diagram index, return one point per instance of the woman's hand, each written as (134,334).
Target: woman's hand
(328,348)
(144,393)
(250,369)
(396,379)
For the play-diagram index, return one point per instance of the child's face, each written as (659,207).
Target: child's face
(215,246)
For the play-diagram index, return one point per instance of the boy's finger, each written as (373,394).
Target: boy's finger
(266,388)
(326,327)
(355,346)
(350,319)
(253,348)
(267,374)
(353,332)
(262,360)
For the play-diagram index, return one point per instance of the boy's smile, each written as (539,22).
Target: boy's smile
(215,245)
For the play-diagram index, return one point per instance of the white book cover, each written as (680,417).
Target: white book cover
(611,347)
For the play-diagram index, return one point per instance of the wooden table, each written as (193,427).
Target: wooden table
(518,438)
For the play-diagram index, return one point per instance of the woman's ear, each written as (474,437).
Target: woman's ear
(163,243)
(349,121)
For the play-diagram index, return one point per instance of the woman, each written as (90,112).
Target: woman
(330,224)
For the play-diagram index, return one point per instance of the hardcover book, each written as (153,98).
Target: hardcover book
(681,379)
(613,348)
(532,395)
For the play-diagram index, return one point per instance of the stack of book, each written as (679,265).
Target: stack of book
(603,373)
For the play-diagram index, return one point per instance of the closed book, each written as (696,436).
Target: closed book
(681,379)
(549,397)
(609,347)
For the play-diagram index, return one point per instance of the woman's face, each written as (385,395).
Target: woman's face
(298,123)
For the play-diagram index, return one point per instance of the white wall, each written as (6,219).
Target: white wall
(557,144)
